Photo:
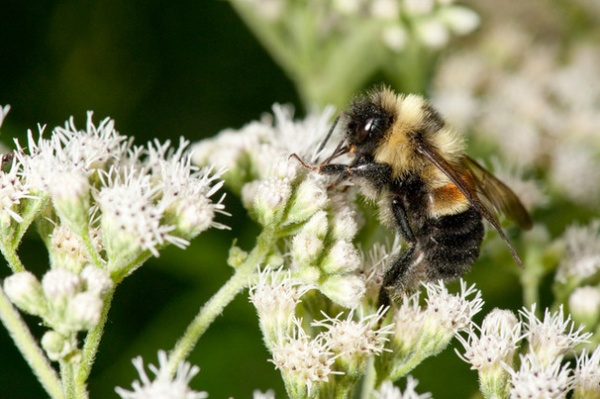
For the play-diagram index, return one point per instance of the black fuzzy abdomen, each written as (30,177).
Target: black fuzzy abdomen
(450,244)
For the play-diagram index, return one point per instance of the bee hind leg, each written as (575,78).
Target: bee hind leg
(394,281)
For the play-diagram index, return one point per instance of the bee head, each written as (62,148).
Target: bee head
(368,122)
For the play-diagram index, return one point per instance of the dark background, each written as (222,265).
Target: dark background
(162,70)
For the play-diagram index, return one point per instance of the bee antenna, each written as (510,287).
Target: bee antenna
(329,133)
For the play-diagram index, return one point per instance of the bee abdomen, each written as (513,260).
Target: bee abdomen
(452,244)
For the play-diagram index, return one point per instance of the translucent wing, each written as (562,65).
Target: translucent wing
(498,194)
(469,189)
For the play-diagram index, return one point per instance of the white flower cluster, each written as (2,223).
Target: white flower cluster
(308,355)
(582,253)
(67,302)
(130,198)
(432,22)
(318,224)
(541,372)
(424,331)
(165,385)
(102,206)
(539,110)
(389,391)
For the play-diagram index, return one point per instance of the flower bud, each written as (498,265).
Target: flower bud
(83,312)
(57,346)
(60,285)
(310,197)
(25,291)
(97,280)
(342,257)
(584,304)
(345,290)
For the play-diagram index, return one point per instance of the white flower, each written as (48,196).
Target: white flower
(131,221)
(304,136)
(584,305)
(269,199)
(496,342)
(164,385)
(24,290)
(575,166)
(251,152)
(309,198)
(433,33)
(343,223)
(553,337)
(97,281)
(461,20)
(185,190)
(95,148)
(492,349)
(385,9)
(448,313)
(395,37)
(3,112)
(60,285)
(346,290)
(13,189)
(587,375)
(354,340)
(304,362)
(536,380)
(418,7)
(83,312)
(342,257)
(408,321)
(389,391)
(275,297)
(62,164)
(67,250)
(270,394)
(582,258)
(59,346)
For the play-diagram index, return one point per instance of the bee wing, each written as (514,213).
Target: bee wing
(498,194)
(468,190)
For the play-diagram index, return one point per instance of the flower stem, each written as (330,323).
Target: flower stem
(88,242)
(14,262)
(90,349)
(67,375)
(368,384)
(214,307)
(31,352)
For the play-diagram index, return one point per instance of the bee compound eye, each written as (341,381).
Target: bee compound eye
(370,125)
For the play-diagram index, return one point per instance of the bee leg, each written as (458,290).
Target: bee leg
(394,276)
(402,220)
(376,172)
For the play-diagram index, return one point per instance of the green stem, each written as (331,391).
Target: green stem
(118,273)
(90,349)
(368,385)
(28,347)
(67,376)
(14,262)
(531,278)
(214,307)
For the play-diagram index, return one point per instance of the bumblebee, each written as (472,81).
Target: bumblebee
(404,156)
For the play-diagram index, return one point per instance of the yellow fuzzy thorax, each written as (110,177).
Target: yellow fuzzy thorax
(399,148)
